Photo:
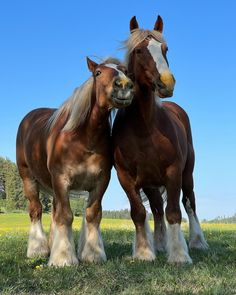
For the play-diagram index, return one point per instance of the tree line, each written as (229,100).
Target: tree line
(12,197)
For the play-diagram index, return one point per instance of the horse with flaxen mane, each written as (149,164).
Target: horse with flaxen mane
(70,149)
(153,148)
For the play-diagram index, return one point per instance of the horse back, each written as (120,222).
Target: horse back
(31,154)
(179,114)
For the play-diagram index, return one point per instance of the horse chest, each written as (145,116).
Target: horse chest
(86,174)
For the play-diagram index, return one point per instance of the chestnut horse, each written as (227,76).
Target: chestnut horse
(153,148)
(70,149)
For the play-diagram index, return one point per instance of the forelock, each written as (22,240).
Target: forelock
(139,35)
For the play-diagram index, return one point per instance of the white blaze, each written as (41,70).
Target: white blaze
(155,50)
(114,66)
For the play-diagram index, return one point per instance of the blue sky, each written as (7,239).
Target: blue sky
(42,59)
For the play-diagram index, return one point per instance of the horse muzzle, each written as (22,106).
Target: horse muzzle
(123,92)
(165,86)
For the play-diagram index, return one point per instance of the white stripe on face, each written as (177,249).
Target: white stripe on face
(155,50)
(114,66)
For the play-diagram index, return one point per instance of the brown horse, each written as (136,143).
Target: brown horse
(70,149)
(153,148)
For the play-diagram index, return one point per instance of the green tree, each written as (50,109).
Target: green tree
(46,201)
(11,185)
(78,205)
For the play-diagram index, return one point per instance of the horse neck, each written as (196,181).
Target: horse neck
(97,123)
(146,103)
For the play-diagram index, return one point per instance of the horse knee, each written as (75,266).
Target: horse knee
(94,213)
(35,210)
(63,216)
(138,214)
(173,215)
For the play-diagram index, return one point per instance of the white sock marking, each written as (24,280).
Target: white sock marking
(91,247)
(63,249)
(196,237)
(37,243)
(176,245)
(143,247)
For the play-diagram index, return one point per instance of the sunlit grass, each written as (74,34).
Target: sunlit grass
(20,222)
(212,272)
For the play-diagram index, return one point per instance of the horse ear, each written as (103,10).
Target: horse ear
(91,65)
(159,24)
(133,24)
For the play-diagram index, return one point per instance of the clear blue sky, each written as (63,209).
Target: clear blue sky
(42,59)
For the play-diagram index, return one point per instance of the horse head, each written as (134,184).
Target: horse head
(147,59)
(113,88)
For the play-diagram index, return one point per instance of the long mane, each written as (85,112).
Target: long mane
(139,35)
(76,108)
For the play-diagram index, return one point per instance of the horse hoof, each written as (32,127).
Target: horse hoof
(180,259)
(199,244)
(61,262)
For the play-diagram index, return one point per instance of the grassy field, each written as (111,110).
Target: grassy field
(212,272)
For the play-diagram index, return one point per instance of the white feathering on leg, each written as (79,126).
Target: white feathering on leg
(91,247)
(176,245)
(63,249)
(196,237)
(143,247)
(37,243)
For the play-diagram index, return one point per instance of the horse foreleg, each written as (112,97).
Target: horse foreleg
(90,246)
(143,247)
(62,242)
(37,243)
(176,244)
(156,204)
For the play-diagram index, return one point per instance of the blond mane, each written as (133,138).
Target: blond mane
(75,108)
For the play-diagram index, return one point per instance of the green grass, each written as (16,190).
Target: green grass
(212,272)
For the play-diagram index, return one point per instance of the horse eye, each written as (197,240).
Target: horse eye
(138,51)
(97,73)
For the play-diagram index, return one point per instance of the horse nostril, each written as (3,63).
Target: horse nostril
(123,84)
(129,85)
(160,85)
(117,83)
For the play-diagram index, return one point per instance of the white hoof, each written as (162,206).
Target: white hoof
(196,236)
(38,248)
(176,245)
(144,254)
(88,254)
(143,247)
(37,243)
(63,250)
(63,259)
(198,242)
(91,247)
(180,259)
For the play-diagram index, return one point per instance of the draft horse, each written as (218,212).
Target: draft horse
(153,148)
(70,149)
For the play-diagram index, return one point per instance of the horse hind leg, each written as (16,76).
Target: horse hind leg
(196,236)
(37,243)
(156,204)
